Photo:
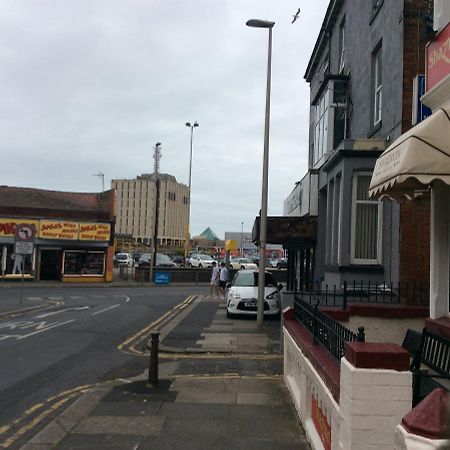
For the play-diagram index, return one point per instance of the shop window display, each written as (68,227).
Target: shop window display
(84,262)
(12,264)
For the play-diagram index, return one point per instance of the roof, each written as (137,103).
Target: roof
(209,235)
(31,202)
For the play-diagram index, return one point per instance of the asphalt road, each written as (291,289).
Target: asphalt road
(46,353)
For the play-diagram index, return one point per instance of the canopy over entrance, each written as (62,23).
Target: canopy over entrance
(415,159)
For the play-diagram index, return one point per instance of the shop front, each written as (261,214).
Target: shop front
(68,251)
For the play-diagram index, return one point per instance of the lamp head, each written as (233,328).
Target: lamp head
(256,23)
(196,124)
(158,144)
(188,124)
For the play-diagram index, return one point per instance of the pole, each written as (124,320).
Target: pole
(155,235)
(186,243)
(265,184)
(242,239)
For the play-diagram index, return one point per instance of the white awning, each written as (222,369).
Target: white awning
(415,159)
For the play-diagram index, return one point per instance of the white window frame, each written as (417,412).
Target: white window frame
(353,259)
(342,46)
(378,86)
(323,124)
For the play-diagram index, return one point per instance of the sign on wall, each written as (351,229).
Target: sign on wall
(24,239)
(321,423)
(95,231)
(438,58)
(8,226)
(51,229)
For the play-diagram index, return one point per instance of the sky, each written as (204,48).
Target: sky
(90,86)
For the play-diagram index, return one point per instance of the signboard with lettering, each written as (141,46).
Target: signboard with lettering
(321,423)
(8,226)
(438,58)
(420,111)
(161,277)
(94,231)
(24,239)
(51,229)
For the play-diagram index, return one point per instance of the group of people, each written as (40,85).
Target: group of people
(219,278)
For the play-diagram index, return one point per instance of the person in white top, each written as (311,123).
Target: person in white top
(214,286)
(223,278)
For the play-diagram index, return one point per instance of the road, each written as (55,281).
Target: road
(47,353)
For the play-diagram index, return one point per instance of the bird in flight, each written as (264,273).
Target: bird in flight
(296,16)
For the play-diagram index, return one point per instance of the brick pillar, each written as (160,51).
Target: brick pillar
(375,393)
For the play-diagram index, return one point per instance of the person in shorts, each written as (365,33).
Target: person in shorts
(223,278)
(214,285)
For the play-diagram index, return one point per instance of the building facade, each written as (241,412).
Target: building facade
(136,207)
(72,235)
(361,76)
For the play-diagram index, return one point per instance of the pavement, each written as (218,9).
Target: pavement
(220,386)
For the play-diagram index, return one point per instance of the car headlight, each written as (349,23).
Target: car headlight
(273,295)
(236,296)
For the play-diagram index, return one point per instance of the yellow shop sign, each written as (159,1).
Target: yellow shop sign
(51,229)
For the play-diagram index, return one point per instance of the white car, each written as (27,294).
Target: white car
(123,259)
(201,261)
(242,263)
(242,297)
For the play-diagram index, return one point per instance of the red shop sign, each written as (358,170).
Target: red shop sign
(438,58)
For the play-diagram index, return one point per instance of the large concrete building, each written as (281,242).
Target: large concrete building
(136,209)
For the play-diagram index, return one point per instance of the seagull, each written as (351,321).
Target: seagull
(295,16)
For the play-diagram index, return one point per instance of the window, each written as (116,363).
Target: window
(342,46)
(366,223)
(321,126)
(78,262)
(377,84)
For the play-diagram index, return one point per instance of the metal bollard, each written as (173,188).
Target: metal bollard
(153,367)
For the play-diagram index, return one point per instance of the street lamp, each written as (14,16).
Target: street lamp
(242,239)
(101,174)
(156,157)
(186,243)
(255,23)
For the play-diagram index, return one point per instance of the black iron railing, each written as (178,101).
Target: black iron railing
(326,331)
(368,292)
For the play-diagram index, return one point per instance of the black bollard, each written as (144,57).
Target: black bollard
(153,367)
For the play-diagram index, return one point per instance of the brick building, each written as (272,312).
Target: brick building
(73,240)
(363,73)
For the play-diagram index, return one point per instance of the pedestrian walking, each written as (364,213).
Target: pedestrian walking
(214,285)
(223,278)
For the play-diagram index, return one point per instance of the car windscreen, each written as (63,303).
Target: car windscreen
(162,258)
(122,257)
(250,279)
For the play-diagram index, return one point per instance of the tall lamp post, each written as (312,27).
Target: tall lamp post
(186,243)
(255,23)
(156,157)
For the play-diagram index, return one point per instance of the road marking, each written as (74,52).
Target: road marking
(46,329)
(76,297)
(106,309)
(35,298)
(56,298)
(79,308)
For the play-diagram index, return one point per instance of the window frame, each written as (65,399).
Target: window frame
(355,202)
(377,93)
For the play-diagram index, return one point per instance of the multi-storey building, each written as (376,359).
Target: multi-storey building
(136,209)
(362,73)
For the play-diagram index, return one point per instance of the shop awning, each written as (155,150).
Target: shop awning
(287,230)
(415,159)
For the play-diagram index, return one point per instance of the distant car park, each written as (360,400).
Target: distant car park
(201,261)
(242,263)
(162,260)
(123,260)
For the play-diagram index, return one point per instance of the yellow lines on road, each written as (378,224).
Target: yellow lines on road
(129,345)
(51,404)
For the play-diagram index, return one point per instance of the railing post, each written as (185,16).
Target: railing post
(361,336)
(316,308)
(344,297)
(153,367)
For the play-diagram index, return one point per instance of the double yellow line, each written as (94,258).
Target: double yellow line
(51,404)
(129,345)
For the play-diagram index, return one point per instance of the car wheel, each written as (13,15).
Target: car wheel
(200,266)
(229,315)
(242,267)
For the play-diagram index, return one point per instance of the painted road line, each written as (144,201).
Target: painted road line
(59,324)
(34,299)
(80,308)
(76,297)
(56,298)
(154,324)
(104,310)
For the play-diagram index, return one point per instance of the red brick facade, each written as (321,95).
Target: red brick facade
(414,215)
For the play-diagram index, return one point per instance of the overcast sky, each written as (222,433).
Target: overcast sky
(90,86)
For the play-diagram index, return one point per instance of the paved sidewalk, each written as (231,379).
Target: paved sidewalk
(220,387)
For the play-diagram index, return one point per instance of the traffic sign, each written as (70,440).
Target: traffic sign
(24,239)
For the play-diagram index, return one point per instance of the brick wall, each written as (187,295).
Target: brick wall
(414,215)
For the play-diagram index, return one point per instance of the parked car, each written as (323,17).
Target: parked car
(201,260)
(123,259)
(162,260)
(242,263)
(242,297)
(179,260)
(278,263)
